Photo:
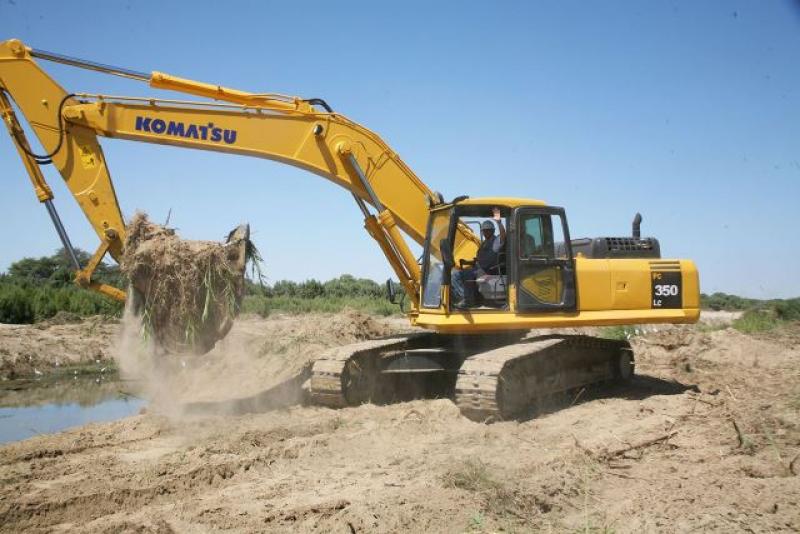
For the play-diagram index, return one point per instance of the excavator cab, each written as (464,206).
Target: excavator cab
(534,262)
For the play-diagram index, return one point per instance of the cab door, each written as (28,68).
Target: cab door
(542,258)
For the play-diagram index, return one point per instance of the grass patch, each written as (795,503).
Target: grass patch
(755,321)
(711,327)
(473,476)
(477,521)
(619,332)
(499,500)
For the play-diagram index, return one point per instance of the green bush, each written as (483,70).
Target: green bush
(754,321)
(310,289)
(759,315)
(344,286)
(15,305)
(349,286)
(37,288)
(788,310)
(724,301)
(26,303)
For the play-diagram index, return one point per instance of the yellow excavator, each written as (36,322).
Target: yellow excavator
(477,348)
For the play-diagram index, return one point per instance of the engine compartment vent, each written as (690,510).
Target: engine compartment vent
(616,247)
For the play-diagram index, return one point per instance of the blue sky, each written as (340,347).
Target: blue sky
(688,112)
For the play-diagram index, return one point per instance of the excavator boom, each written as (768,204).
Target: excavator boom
(286,129)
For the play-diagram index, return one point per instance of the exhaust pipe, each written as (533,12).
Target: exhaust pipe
(637,221)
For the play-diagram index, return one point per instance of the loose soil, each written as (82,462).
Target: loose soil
(706,437)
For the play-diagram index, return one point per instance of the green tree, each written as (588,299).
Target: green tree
(58,270)
(284,288)
(310,289)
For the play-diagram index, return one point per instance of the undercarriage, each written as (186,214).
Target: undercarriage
(490,377)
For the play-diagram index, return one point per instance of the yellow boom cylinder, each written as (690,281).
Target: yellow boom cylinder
(160,80)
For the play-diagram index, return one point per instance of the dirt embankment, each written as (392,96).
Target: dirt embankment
(706,437)
(52,346)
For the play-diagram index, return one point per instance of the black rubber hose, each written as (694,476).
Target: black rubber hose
(319,102)
(46,159)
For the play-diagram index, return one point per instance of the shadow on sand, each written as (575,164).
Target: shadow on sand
(283,395)
(640,387)
(291,393)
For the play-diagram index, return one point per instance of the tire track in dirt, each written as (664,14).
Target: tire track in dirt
(213,466)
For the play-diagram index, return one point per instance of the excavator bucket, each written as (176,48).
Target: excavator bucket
(188,293)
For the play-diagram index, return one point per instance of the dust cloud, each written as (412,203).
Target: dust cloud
(259,366)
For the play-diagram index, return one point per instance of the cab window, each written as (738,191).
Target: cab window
(434,265)
(542,236)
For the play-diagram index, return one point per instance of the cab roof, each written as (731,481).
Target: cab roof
(510,202)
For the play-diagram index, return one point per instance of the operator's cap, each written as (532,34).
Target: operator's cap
(487,225)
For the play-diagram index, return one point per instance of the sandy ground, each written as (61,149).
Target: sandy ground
(705,438)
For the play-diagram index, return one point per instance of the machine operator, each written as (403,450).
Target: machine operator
(463,284)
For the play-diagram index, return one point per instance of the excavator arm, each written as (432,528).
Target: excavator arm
(286,129)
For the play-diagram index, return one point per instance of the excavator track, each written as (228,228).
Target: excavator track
(395,369)
(509,381)
(490,379)
(348,375)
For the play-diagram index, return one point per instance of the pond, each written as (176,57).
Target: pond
(43,406)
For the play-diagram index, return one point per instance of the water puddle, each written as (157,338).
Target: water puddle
(43,406)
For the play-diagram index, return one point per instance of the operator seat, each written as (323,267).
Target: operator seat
(492,286)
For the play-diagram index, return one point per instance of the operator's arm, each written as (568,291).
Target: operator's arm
(499,220)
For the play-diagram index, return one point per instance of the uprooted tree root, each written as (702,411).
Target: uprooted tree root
(188,292)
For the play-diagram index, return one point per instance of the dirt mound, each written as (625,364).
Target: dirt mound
(188,292)
(351,325)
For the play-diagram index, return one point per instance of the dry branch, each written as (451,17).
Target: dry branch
(739,434)
(642,445)
(608,455)
(699,399)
